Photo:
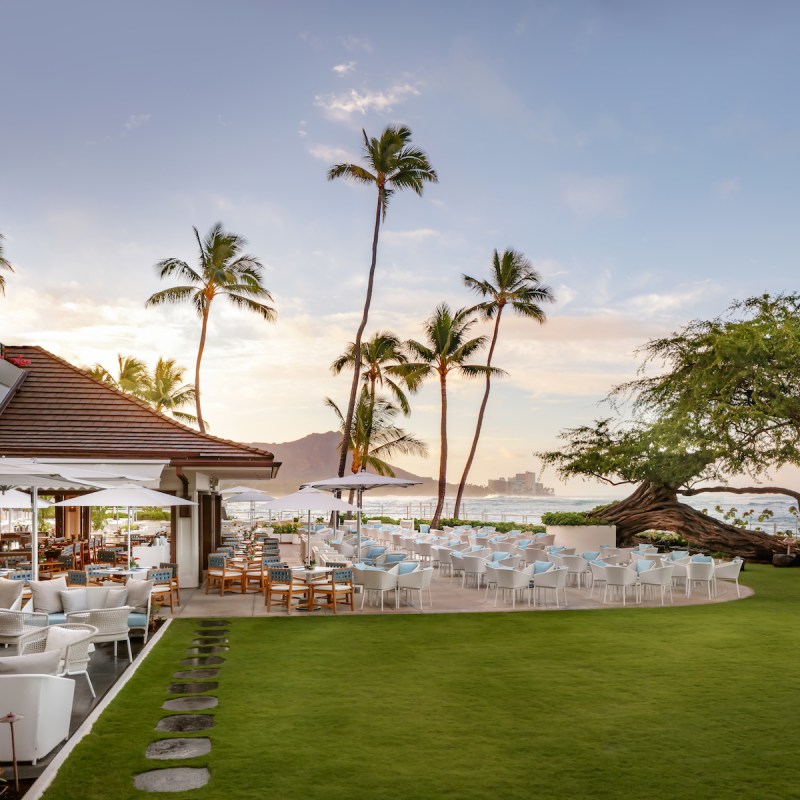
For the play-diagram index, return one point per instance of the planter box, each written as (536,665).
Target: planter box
(288,538)
(584,537)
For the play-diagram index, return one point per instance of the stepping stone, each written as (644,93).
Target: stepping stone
(186,723)
(213,623)
(178,748)
(206,650)
(211,640)
(202,661)
(210,632)
(190,703)
(192,688)
(177,779)
(197,673)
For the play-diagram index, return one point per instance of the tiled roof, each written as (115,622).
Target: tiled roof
(59,411)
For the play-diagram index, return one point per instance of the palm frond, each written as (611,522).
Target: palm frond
(267,312)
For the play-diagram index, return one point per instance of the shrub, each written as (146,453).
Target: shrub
(569,518)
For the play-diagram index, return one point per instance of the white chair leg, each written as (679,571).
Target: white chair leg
(130,655)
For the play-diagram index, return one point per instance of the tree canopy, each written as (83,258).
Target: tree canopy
(723,402)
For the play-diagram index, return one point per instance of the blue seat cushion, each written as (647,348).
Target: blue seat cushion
(137,620)
(56,618)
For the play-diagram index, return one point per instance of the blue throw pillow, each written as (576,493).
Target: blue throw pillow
(702,559)
(598,563)
(642,565)
(541,566)
(404,567)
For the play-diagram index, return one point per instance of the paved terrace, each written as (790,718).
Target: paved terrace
(448,598)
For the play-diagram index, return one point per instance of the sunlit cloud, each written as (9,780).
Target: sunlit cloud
(345,69)
(333,155)
(343,106)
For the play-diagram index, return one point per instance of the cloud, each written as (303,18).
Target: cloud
(590,196)
(344,69)
(343,106)
(137,121)
(333,155)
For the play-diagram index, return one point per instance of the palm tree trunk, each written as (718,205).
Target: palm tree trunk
(200,349)
(482,411)
(351,405)
(442,452)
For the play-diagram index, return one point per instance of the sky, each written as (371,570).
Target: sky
(644,157)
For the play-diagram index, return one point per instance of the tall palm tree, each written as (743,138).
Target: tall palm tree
(515,283)
(391,164)
(166,391)
(373,435)
(4,264)
(447,348)
(222,272)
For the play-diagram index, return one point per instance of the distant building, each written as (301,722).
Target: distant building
(523,484)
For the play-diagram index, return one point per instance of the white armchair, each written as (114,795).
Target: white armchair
(729,572)
(45,703)
(417,581)
(378,582)
(111,624)
(554,580)
(515,581)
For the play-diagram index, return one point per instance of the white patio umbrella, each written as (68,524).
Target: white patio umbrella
(251,496)
(360,482)
(14,499)
(30,473)
(129,496)
(308,499)
(237,490)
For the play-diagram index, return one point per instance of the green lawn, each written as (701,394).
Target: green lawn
(674,703)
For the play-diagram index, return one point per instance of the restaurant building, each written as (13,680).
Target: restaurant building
(56,412)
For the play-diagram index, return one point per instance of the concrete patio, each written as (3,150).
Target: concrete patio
(448,598)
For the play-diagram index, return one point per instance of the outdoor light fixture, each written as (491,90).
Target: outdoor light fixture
(11,718)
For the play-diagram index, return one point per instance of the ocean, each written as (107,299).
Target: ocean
(530,509)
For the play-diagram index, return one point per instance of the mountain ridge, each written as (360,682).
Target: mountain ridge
(316,456)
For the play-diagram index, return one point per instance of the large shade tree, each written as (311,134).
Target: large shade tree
(223,270)
(447,348)
(724,403)
(391,164)
(514,283)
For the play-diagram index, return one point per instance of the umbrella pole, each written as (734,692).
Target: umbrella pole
(129,537)
(35,533)
(358,523)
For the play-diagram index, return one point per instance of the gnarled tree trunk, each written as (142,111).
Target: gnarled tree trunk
(654,506)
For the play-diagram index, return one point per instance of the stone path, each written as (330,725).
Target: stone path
(198,670)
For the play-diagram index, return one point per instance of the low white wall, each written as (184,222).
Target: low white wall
(150,556)
(584,537)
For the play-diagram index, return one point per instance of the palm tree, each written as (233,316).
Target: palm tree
(516,284)
(391,164)
(132,376)
(166,391)
(374,437)
(447,349)
(222,272)
(4,264)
